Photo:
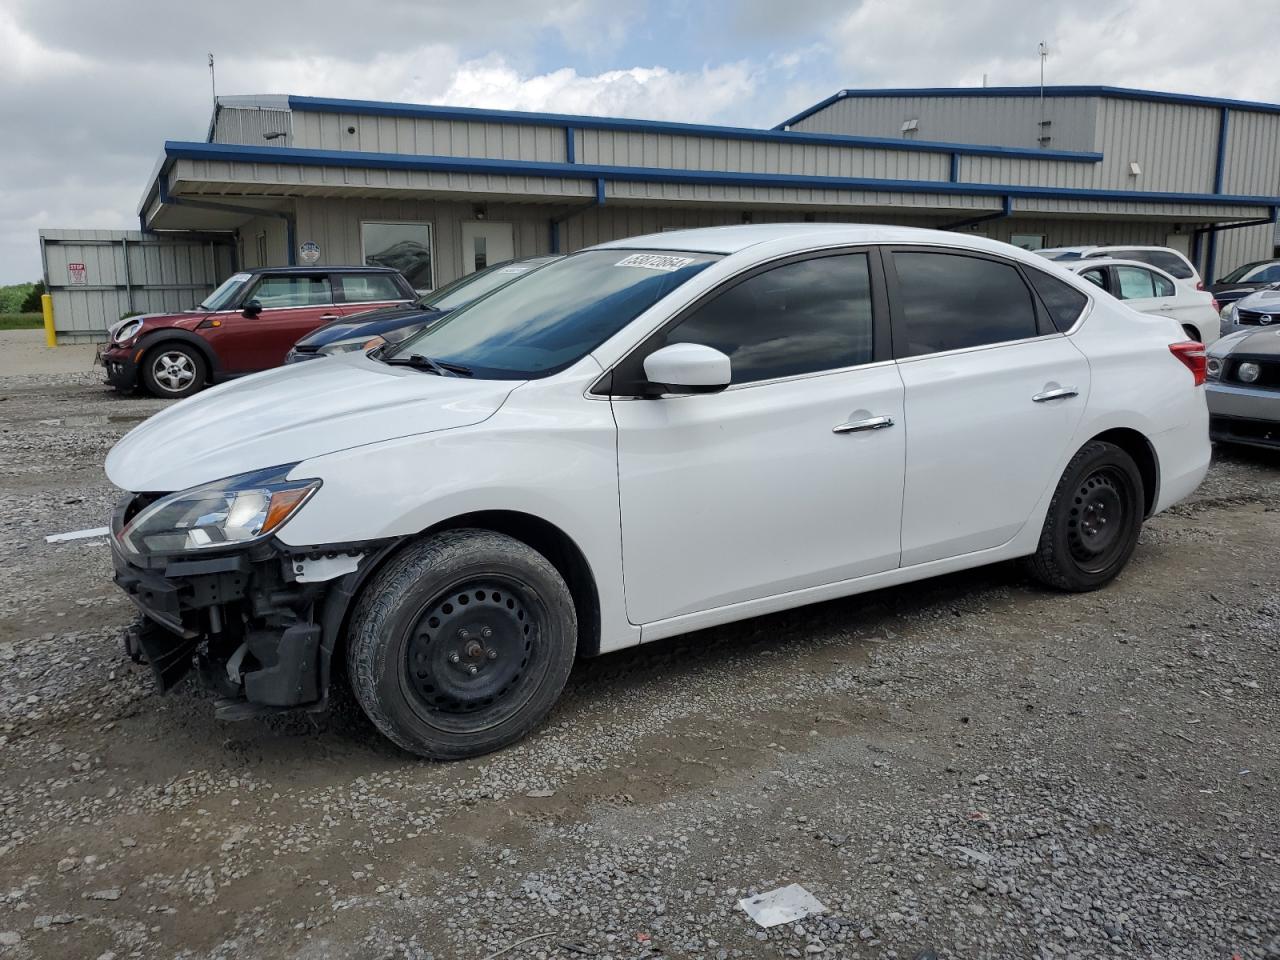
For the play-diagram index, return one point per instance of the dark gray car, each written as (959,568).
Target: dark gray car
(1244,388)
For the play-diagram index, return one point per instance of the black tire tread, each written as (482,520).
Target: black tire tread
(1043,565)
(365,652)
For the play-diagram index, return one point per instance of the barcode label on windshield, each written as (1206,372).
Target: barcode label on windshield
(655,261)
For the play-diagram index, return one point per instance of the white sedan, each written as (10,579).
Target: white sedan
(645,438)
(1149,289)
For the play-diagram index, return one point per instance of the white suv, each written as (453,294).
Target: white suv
(1167,259)
(643,439)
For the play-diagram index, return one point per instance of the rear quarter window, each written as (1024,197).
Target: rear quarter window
(1170,263)
(1064,302)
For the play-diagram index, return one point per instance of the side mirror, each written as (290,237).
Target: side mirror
(252,308)
(688,368)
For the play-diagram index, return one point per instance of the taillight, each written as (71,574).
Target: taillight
(1199,284)
(1217,307)
(1192,356)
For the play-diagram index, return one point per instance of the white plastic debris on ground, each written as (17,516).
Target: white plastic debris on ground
(784,905)
(77,535)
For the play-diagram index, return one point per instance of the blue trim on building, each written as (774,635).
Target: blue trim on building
(569,148)
(955,168)
(600,191)
(1220,166)
(1113,93)
(583,171)
(474,115)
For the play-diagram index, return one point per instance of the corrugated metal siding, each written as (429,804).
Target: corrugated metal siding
(794,196)
(1003,121)
(335,225)
(1176,145)
(627,149)
(445,138)
(1236,247)
(274,234)
(249,125)
(1253,146)
(266,178)
(160,275)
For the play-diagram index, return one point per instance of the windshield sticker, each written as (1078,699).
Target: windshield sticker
(655,261)
(514,270)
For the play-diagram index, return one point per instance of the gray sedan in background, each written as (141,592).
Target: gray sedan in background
(1244,387)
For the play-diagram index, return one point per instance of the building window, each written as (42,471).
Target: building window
(1028,241)
(402,246)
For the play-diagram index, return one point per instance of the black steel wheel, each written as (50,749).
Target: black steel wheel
(1093,521)
(462,644)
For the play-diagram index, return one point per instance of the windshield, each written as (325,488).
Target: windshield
(1238,274)
(224,294)
(476,285)
(555,315)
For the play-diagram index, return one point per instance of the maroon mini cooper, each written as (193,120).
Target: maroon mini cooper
(246,325)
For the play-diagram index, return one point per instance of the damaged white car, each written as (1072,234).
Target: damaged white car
(643,439)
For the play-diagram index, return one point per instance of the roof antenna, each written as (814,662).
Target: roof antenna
(1044,55)
(213,82)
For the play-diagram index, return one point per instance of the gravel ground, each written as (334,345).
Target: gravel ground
(970,767)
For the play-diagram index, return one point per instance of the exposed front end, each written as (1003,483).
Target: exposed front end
(217,592)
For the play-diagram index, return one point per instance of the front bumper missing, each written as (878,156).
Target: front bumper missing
(253,621)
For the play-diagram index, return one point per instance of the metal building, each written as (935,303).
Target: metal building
(440,191)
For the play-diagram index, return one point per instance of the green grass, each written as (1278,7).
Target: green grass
(21,321)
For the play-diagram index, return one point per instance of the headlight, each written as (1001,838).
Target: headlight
(1248,372)
(1213,368)
(226,513)
(1228,313)
(128,331)
(349,346)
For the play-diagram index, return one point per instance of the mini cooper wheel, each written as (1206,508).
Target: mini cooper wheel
(1093,522)
(173,370)
(462,644)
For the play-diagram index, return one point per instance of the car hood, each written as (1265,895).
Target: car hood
(1265,343)
(294,413)
(368,324)
(1264,299)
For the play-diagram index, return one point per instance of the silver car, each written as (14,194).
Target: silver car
(1244,386)
(1259,309)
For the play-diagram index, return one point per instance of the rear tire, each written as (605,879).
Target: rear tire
(174,370)
(1093,522)
(462,644)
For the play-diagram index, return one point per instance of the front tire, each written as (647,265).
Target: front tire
(1093,522)
(462,644)
(174,370)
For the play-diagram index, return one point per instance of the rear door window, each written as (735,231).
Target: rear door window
(950,301)
(369,287)
(1097,277)
(1134,283)
(1170,263)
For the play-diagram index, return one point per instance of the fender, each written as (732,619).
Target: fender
(151,338)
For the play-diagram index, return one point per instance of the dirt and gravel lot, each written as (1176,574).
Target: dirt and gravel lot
(972,766)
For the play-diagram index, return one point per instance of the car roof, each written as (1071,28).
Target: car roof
(320,268)
(733,239)
(1076,266)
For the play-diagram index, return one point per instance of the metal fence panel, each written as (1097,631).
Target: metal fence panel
(97,276)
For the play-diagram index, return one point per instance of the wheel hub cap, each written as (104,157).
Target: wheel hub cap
(174,370)
(1097,518)
(470,648)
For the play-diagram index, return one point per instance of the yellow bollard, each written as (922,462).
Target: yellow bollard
(50,335)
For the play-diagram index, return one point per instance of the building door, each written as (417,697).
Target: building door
(485,243)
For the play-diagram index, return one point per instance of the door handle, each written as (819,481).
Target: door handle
(871,423)
(329,316)
(1058,393)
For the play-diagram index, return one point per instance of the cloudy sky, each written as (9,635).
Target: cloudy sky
(89,91)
